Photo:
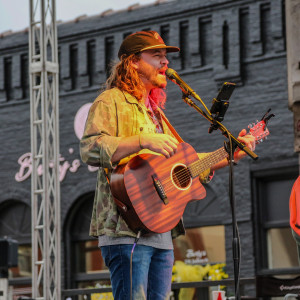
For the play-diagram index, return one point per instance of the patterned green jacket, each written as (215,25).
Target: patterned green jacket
(114,115)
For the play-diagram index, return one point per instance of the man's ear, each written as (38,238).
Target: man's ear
(135,63)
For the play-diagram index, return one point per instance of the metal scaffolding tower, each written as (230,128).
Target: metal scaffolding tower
(45,191)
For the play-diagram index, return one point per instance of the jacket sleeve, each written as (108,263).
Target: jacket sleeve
(99,140)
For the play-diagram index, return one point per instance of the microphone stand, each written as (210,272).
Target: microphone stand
(219,126)
(230,146)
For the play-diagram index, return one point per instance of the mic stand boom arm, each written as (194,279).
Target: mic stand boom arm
(217,124)
(188,91)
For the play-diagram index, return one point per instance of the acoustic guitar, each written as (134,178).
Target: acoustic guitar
(152,191)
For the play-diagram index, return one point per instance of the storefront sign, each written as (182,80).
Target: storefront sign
(196,257)
(25,162)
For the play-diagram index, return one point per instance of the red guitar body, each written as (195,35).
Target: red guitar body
(152,191)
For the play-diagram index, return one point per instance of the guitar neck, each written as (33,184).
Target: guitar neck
(258,130)
(207,161)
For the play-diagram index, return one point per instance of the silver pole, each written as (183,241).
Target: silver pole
(45,191)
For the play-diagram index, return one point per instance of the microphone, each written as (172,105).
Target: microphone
(173,76)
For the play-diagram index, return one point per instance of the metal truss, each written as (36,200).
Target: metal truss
(45,190)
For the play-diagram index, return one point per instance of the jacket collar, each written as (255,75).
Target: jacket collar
(130,98)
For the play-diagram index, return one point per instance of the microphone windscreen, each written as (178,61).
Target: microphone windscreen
(170,73)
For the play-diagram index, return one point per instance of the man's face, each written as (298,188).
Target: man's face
(152,67)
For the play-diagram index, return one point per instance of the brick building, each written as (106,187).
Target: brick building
(239,41)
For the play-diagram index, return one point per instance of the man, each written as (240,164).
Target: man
(295,213)
(123,121)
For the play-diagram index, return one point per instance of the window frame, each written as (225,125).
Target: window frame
(260,225)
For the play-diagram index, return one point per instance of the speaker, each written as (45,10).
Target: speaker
(8,252)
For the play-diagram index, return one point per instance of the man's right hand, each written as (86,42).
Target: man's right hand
(161,143)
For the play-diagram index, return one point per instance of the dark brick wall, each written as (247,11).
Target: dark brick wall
(240,41)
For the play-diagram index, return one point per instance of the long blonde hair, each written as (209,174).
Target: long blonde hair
(126,78)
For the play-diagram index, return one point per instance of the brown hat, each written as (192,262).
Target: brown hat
(143,40)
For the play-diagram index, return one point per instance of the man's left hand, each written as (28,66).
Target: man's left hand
(248,140)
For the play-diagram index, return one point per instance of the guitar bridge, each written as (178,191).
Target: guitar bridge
(160,190)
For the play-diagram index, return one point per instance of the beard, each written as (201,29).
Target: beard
(151,75)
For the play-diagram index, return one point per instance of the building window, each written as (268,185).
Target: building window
(60,81)
(24,76)
(225,45)
(283,23)
(205,39)
(244,33)
(165,33)
(10,211)
(201,245)
(275,248)
(88,257)
(184,45)
(91,62)
(84,263)
(8,78)
(24,262)
(204,241)
(73,66)
(265,27)
(126,34)
(109,54)
(282,252)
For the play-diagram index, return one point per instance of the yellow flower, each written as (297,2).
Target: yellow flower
(182,272)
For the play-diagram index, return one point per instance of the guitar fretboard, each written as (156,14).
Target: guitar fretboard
(207,161)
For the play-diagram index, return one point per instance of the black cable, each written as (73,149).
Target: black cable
(134,244)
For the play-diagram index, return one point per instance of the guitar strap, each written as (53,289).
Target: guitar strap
(172,129)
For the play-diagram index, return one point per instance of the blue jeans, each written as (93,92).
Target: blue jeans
(151,271)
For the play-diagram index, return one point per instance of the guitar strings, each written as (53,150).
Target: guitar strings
(185,174)
(181,176)
(211,159)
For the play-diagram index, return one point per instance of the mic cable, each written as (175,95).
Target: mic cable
(131,256)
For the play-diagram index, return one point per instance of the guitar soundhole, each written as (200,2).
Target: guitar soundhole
(181,177)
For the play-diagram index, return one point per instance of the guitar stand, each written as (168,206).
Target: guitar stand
(230,146)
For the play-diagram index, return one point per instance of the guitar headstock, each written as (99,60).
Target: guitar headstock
(259,129)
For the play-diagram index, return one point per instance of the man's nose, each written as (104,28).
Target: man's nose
(165,61)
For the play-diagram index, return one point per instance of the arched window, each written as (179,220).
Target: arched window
(84,264)
(15,222)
